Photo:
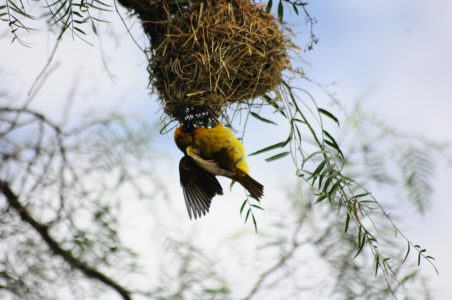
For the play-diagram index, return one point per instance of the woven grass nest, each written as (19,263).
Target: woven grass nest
(209,54)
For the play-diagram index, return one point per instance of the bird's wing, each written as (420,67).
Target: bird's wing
(209,165)
(199,187)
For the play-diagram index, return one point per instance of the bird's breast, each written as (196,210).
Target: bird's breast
(221,145)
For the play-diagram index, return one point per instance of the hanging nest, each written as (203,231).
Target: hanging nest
(207,54)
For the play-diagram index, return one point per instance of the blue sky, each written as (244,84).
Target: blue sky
(395,56)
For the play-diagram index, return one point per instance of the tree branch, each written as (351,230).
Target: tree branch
(278,265)
(67,255)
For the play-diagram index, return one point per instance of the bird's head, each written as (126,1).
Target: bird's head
(183,137)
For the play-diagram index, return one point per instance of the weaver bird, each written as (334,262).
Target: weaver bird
(209,152)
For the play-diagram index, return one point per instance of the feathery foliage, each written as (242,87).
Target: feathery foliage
(310,143)
(75,15)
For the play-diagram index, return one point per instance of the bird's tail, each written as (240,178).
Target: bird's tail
(255,189)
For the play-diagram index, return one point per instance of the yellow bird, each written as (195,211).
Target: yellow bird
(209,152)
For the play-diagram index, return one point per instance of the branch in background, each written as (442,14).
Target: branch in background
(295,245)
(42,230)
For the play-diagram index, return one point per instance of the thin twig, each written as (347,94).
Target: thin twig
(46,66)
(125,25)
(67,255)
(278,265)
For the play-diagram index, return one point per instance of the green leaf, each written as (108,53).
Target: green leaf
(321,197)
(15,8)
(257,206)
(77,14)
(407,253)
(328,181)
(328,114)
(347,221)
(243,206)
(60,18)
(280,11)
(295,8)
(93,26)
(332,191)
(361,243)
(329,136)
(99,20)
(408,277)
(332,142)
(336,147)
(254,223)
(79,21)
(298,120)
(269,6)
(362,195)
(318,170)
(79,30)
(166,128)
(99,7)
(102,3)
(367,201)
(377,261)
(272,147)
(65,27)
(370,237)
(54,3)
(275,105)
(324,174)
(277,156)
(262,118)
(247,214)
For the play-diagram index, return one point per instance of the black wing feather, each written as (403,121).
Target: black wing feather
(199,187)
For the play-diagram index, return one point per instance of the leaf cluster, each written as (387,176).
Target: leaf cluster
(295,6)
(321,163)
(69,184)
(248,205)
(72,15)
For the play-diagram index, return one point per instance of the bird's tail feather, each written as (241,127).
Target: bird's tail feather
(255,189)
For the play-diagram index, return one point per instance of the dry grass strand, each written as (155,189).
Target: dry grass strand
(208,54)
